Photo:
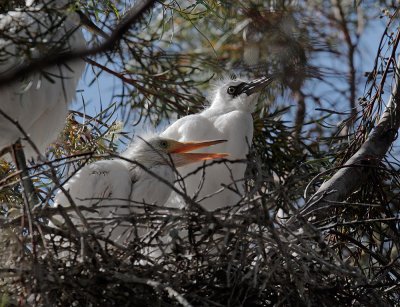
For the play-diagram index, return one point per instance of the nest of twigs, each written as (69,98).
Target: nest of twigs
(236,257)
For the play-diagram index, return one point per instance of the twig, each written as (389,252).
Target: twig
(154,284)
(28,190)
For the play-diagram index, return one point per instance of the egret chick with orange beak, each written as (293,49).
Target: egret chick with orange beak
(112,189)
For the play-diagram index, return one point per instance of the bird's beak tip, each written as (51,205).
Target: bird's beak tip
(257,85)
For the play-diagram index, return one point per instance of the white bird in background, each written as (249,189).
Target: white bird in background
(112,190)
(39,101)
(228,117)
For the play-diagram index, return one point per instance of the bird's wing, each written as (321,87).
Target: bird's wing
(36,99)
(237,128)
(100,186)
(102,192)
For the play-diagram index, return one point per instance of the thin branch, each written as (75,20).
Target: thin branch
(28,190)
(154,284)
(351,47)
(300,113)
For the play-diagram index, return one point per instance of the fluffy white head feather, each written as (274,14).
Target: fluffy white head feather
(224,97)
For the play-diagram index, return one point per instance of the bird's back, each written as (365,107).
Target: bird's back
(99,186)
(38,101)
(111,194)
(101,191)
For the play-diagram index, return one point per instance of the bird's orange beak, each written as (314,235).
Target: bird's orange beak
(182,155)
(183,147)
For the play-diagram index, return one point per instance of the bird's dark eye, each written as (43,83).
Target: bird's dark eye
(231,90)
(163,144)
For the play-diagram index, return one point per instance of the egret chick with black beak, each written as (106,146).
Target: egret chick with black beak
(228,117)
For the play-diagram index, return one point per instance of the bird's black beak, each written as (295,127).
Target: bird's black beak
(254,86)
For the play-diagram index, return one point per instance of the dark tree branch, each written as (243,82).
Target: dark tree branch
(130,17)
(300,113)
(29,194)
(351,48)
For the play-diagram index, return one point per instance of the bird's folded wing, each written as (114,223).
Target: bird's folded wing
(101,186)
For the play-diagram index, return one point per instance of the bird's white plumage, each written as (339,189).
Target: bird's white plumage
(115,189)
(112,192)
(39,101)
(227,118)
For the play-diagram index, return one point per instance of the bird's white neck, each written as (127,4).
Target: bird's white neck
(146,156)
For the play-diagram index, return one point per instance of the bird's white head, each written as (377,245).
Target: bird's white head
(239,94)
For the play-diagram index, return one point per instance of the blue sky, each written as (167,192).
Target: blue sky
(99,95)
